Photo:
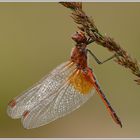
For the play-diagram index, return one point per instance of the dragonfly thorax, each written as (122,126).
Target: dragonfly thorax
(79,56)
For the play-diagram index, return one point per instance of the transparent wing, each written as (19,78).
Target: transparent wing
(43,89)
(62,102)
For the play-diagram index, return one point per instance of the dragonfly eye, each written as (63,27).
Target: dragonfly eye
(79,37)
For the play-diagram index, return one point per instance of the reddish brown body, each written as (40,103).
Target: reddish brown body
(79,53)
(79,56)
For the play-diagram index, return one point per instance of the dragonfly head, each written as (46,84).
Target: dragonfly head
(79,37)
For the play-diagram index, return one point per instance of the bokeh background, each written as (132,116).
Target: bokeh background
(36,37)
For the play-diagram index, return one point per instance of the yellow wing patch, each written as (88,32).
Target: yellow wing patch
(80,82)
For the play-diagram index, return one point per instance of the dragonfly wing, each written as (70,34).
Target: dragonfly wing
(67,99)
(43,89)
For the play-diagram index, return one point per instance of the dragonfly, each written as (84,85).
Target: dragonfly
(62,91)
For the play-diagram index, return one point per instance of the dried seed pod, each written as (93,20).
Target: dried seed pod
(88,26)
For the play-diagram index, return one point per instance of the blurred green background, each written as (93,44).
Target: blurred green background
(36,37)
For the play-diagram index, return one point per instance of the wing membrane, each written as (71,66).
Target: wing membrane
(64,101)
(43,89)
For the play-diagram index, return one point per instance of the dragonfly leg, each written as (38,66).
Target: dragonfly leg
(89,40)
(97,60)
